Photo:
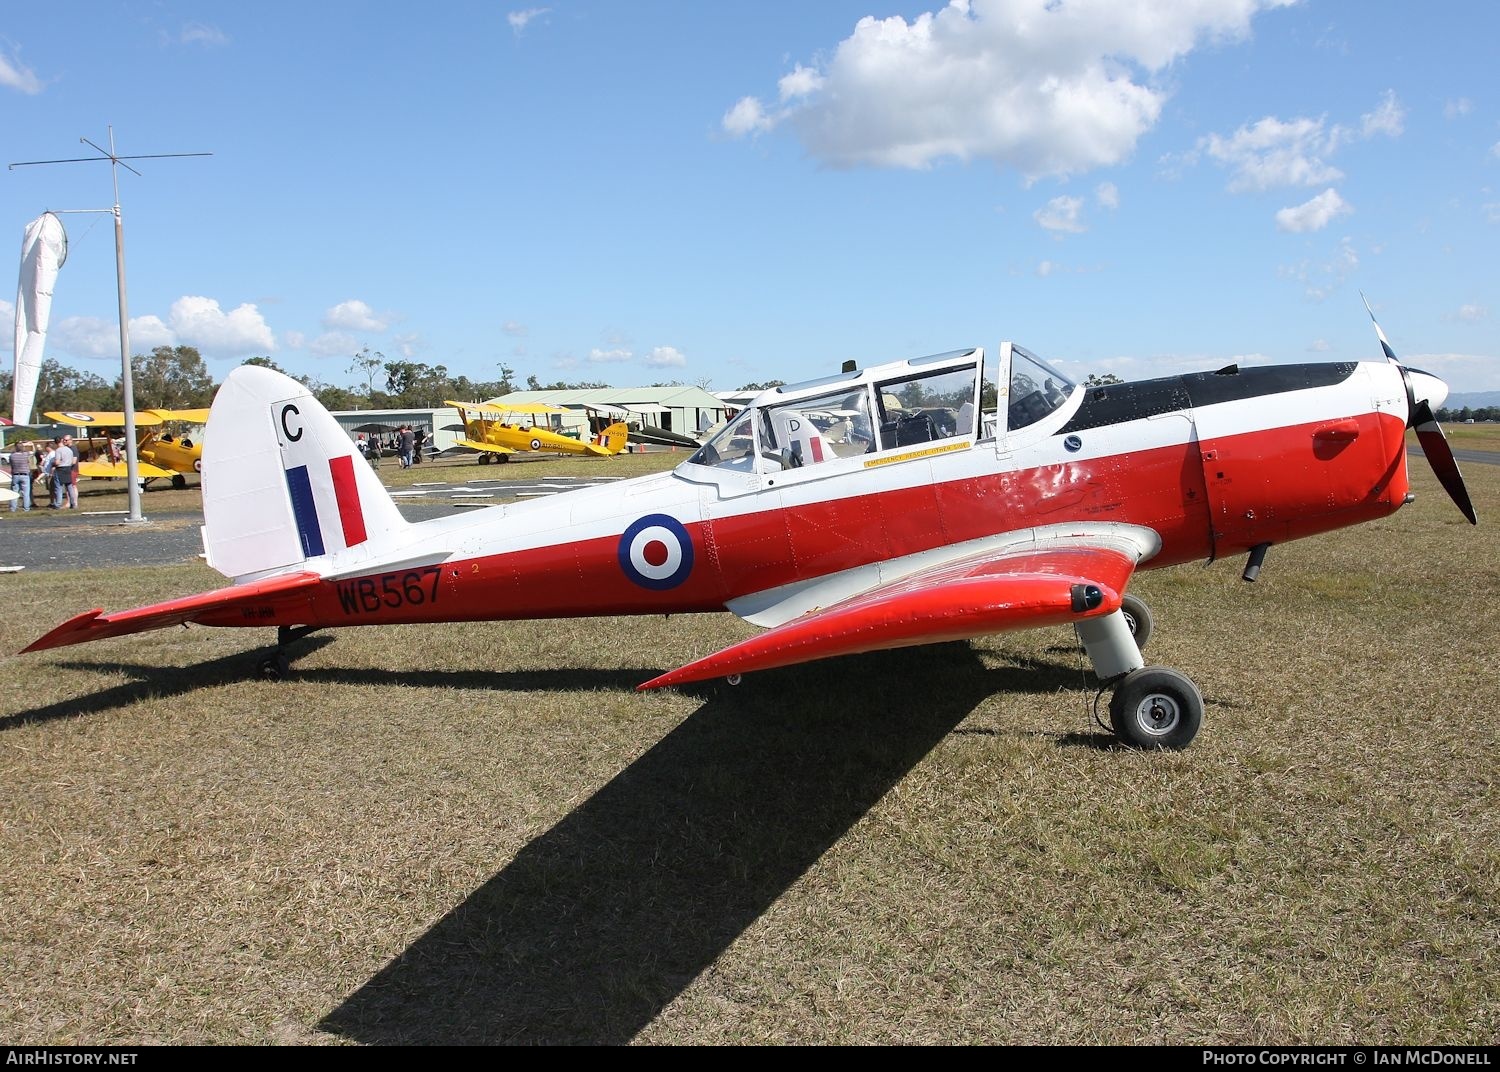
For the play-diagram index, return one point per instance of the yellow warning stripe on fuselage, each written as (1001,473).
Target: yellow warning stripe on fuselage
(928,452)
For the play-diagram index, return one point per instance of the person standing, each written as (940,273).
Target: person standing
(64,470)
(20,476)
(418,438)
(408,440)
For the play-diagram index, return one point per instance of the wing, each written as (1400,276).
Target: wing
(989,592)
(236,605)
(474,444)
(116,470)
(190,416)
(101,418)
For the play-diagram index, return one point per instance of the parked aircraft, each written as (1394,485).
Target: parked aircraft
(873,531)
(497,431)
(159,454)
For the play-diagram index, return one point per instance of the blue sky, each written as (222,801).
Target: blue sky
(721,193)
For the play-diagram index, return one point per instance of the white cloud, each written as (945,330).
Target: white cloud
(746,117)
(513,328)
(1472,314)
(1492,212)
(199,322)
(1046,268)
(1313,215)
(198,33)
(1456,109)
(294,340)
(1320,279)
(87,336)
(1320,346)
(7,316)
(1271,153)
(1043,87)
(354,315)
(147,333)
(1388,118)
(16,75)
(802,82)
(1107,195)
(1061,215)
(608,357)
(519,20)
(333,344)
(408,344)
(664,357)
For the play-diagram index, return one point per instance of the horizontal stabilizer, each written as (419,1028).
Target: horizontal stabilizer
(237,605)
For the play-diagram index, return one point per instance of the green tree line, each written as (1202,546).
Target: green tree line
(175,377)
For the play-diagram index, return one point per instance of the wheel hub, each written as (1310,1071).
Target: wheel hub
(1157,715)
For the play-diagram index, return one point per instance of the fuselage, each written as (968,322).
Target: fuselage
(838,479)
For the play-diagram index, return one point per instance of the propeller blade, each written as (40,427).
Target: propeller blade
(1440,456)
(1430,435)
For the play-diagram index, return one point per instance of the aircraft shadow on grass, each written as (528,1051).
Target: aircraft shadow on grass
(602,921)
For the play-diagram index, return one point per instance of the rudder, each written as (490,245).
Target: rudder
(283,486)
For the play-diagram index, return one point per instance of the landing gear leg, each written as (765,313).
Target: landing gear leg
(278,665)
(1151,707)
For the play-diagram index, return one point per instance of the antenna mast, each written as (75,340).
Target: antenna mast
(132,466)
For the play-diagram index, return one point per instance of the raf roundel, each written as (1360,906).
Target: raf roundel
(656,552)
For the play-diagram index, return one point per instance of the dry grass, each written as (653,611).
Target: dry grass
(453,834)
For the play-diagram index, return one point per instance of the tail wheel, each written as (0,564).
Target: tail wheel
(1156,708)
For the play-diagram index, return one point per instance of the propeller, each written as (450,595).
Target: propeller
(1423,392)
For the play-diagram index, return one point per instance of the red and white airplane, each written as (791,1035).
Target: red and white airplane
(872,509)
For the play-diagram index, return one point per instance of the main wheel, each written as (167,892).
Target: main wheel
(274,667)
(1155,707)
(1138,617)
(484,459)
(179,481)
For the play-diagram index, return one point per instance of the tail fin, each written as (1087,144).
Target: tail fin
(613,438)
(283,486)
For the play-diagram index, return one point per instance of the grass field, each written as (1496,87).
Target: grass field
(457,834)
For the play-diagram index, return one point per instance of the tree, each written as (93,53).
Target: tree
(335,398)
(264,362)
(413,385)
(1095,380)
(171,377)
(763,386)
(60,387)
(367,365)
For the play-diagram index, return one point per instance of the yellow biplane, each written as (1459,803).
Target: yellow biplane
(159,455)
(498,430)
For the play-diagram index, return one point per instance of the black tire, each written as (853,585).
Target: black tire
(274,667)
(1138,617)
(179,481)
(1156,708)
(484,459)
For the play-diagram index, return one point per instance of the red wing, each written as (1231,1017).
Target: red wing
(225,606)
(1018,589)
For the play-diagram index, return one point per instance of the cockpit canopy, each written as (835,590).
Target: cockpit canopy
(884,408)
